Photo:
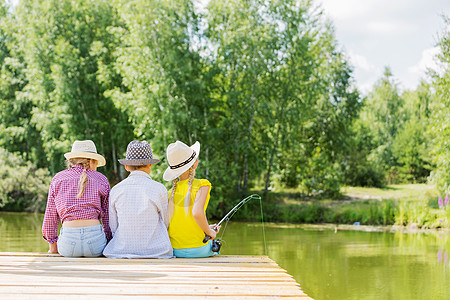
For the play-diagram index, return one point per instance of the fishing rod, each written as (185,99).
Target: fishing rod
(231,213)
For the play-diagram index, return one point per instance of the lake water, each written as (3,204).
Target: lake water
(327,264)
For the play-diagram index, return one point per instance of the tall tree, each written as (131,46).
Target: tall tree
(17,133)
(63,44)
(244,44)
(164,89)
(440,113)
(283,73)
(411,144)
(383,114)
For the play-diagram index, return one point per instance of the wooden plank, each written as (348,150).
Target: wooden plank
(199,283)
(34,275)
(149,274)
(20,277)
(162,277)
(150,297)
(214,259)
(149,271)
(130,262)
(180,290)
(102,269)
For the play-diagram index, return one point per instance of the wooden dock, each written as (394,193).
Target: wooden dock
(38,276)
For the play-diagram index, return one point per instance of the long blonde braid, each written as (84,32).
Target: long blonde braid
(84,162)
(187,199)
(171,208)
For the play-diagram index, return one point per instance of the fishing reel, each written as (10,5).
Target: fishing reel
(216,244)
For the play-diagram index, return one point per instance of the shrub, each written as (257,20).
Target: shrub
(22,185)
(389,212)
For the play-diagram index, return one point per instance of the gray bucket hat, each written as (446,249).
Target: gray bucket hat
(139,154)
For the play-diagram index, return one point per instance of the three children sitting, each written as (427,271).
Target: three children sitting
(138,219)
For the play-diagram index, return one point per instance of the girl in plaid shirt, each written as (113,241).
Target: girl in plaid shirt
(78,197)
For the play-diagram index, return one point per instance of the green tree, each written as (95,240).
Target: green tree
(359,170)
(17,133)
(391,142)
(164,88)
(282,77)
(245,45)
(261,84)
(23,186)
(64,45)
(440,112)
(411,144)
(383,115)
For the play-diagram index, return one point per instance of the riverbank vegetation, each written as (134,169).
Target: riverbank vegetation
(264,86)
(413,206)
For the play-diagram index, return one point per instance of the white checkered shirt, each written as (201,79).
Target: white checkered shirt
(138,219)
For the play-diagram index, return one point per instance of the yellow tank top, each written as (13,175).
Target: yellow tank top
(184,232)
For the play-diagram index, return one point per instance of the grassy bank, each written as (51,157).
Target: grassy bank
(411,205)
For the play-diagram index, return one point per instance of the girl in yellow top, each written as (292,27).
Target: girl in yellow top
(188,200)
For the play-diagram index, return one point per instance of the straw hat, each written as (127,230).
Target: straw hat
(85,149)
(139,154)
(180,158)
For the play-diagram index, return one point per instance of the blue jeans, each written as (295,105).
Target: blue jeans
(203,251)
(86,241)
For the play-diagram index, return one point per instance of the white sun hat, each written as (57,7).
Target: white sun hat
(85,149)
(180,158)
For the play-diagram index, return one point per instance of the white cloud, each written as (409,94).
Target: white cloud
(345,9)
(391,27)
(366,87)
(361,62)
(379,33)
(369,9)
(427,61)
(365,71)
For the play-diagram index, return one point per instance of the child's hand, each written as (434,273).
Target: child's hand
(212,234)
(53,248)
(215,227)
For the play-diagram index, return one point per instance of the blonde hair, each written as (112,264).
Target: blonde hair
(171,207)
(84,162)
(136,168)
(187,199)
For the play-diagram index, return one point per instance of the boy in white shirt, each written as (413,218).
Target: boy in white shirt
(138,210)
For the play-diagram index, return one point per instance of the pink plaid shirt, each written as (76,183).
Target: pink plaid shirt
(63,204)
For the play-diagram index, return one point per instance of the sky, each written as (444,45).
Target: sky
(400,34)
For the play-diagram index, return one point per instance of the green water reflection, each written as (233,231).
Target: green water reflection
(327,264)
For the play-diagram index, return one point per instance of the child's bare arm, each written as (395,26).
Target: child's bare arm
(198,211)
(53,248)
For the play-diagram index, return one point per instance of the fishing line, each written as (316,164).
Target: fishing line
(231,213)
(264,231)
(223,231)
